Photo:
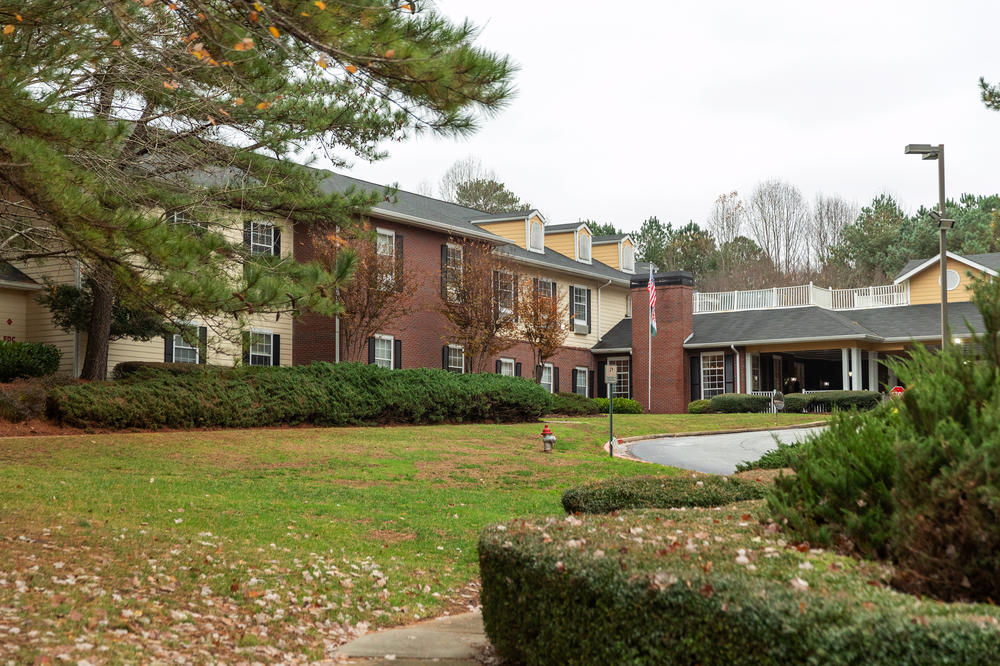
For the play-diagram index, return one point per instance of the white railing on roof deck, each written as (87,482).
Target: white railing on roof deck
(882,296)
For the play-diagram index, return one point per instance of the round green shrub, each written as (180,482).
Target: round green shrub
(572,404)
(700,407)
(622,406)
(735,403)
(21,360)
(658,492)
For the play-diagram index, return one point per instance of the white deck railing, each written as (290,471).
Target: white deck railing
(882,296)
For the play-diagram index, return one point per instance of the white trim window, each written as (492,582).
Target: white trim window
(536,237)
(546,288)
(713,374)
(186,351)
(628,258)
(621,389)
(506,291)
(583,246)
(385,243)
(546,380)
(261,348)
(456,359)
(582,383)
(507,367)
(580,306)
(453,266)
(261,237)
(755,372)
(383,351)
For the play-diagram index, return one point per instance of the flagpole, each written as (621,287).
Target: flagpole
(649,370)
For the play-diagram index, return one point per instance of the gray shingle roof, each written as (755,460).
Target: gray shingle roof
(619,337)
(560,262)
(610,238)
(9,273)
(513,215)
(991,260)
(556,228)
(815,323)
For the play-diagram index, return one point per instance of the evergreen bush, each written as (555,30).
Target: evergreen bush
(785,455)
(573,404)
(700,407)
(21,360)
(732,403)
(622,406)
(321,394)
(658,492)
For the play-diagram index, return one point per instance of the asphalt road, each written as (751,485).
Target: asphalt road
(714,454)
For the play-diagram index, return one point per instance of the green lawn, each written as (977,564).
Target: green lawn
(271,545)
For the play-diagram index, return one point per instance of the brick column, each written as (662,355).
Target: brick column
(675,322)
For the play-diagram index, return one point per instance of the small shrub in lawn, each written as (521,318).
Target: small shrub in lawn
(622,406)
(700,407)
(573,404)
(664,492)
(321,393)
(732,403)
(785,455)
(20,360)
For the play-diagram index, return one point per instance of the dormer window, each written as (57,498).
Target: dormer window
(628,259)
(536,237)
(583,247)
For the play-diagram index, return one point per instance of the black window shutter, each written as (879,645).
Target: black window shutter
(246,233)
(276,246)
(695,378)
(602,388)
(588,311)
(590,382)
(572,306)
(555,379)
(275,349)
(444,273)
(496,294)
(399,262)
(631,376)
(538,373)
(444,357)
(499,365)
(202,345)
(729,373)
(168,349)
(555,289)
(573,379)
(371,351)
(516,287)
(397,354)
(246,348)
(534,286)
(517,369)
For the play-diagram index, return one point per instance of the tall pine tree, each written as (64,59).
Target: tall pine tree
(116,117)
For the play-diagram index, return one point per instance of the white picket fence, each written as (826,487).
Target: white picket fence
(881,296)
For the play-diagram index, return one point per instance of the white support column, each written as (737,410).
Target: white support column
(892,377)
(873,371)
(856,378)
(845,365)
(748,360)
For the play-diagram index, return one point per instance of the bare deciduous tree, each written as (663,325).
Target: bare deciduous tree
(543,313)
(726,221)
(829,217)
(778,220)
(463,171)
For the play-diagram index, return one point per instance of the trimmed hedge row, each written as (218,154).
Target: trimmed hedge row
(21,360)
(321,394)
(658,492)
(700,407)
(729,403)
(622,406)
(573,404)
(638,589)
(139,369)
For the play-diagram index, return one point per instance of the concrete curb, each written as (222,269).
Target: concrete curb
(624,450)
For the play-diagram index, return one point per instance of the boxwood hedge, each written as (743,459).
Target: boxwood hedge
(21,360)
(622,406)
(658,492)
(321,394)
(573,404)
(658,587)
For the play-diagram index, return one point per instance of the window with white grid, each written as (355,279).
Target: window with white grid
(383,351)
(261,238)
(547,377)
(453,266)
(547,288)
(186,350)
(261,348)
(506,288)
(456,359)
(507,367)
(621,387)
(713,374)
(581,382)
(580,305)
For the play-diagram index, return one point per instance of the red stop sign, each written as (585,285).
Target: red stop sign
(896,391)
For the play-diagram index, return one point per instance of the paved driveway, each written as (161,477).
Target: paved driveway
(715,454)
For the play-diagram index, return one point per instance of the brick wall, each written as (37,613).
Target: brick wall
(674,318)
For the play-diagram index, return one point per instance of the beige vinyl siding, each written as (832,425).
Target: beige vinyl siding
(513,231)
(926,288)
(561,242)
(612,304)
(14,308)
(38,320)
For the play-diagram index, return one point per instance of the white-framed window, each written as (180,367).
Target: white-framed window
(628,305)
(546,288)
(187,351)
(628,258)
(580,306)
(621,388)
(261,237)
(383,351)
(261,348)
(456,359)
(547,377)
(507,367)
(755,372)
(583,246)
(385,243)
(581,382)
(713,374)
(506,291)
(536,237)
(453,269)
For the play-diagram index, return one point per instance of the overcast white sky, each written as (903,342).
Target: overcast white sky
(626,110)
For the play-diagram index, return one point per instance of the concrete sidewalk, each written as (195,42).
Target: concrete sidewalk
(452,640)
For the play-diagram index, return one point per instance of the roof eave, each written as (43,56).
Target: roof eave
(611,350)
(25,286)
(594,276)
(936,258)
(744,343)
(438,226)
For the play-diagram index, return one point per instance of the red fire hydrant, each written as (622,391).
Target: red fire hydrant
(548,439)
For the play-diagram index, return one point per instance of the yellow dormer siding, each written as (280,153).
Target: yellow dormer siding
(562,242)
(925,286)
(514,231)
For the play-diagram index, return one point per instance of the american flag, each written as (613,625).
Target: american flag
(651,288)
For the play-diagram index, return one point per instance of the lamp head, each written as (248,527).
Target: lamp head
(928,151)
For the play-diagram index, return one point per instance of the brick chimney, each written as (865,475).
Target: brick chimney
(675,322)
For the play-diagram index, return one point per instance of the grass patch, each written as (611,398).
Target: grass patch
(271,545)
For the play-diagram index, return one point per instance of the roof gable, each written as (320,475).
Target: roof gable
(918,266)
